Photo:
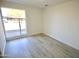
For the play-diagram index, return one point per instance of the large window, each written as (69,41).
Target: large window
(14,22)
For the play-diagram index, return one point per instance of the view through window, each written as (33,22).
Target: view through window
(14,22)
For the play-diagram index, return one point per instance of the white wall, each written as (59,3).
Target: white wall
(2,38)
(62,22)
(33,17)
(34,20)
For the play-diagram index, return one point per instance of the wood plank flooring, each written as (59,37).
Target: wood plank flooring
(39,46)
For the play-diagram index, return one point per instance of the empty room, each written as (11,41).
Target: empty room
(39,28)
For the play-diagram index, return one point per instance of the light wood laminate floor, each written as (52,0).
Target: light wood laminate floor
(39,46)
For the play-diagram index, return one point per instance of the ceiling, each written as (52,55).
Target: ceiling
(37,3)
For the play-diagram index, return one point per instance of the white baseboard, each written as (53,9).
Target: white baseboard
(61,41)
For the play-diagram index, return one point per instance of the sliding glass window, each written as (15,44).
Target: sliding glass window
(14,22)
